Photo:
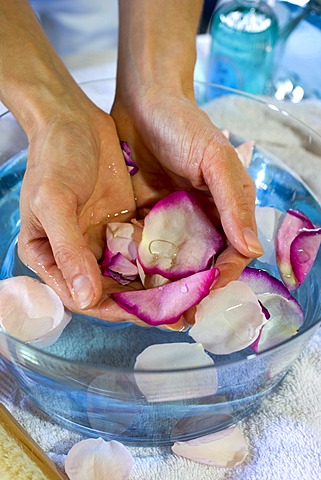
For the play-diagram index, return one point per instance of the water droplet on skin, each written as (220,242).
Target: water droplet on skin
(163,248)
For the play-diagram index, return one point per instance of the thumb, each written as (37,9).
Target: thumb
(73,257)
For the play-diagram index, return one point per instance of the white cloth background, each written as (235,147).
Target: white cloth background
(284,434)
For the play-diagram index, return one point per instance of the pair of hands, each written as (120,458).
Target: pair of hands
(77,181)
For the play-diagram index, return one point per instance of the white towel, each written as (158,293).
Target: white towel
(284,434)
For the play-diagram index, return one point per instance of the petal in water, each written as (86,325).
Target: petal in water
(303,252)
(245,152)
(285,314)
(268,220)
(120,269)
(31,311)
(226,448)
(166,386)
(167,303)
(228,319)
(95,459)
(292,224)
(178,238)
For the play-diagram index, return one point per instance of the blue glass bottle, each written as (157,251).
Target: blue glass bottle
(243,38)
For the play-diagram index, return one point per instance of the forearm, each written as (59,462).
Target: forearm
(34,82)
(157,43)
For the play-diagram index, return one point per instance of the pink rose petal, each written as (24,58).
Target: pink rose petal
(228,319)
(245,152)
(303,252)
(286,315)
(95,459)
(133,168)
(123,238)
(164,386)
(268,221)
(292,224)
(226,448)
(31,311)
(178,238)
(167,303)
(120,269)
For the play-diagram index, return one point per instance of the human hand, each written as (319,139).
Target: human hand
(177,146)
(76,181)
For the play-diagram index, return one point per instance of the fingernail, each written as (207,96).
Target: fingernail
(252,242)
(82,291)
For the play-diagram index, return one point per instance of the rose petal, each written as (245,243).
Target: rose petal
(109,414)
(95,459)
(31,311)
(228,319)
(178,238)
(293,222)
(268,220)
(303,252)
(164,386)
(120,269)
(133,168)
(286,315)
(166,304)
(150,280)
(245,152)
(226,448)
(123,238)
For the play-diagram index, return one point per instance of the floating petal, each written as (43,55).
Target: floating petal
(286,315)
(228,319)
(167,386)
(167,303)
(95,459)
(268,221)
(226,448)
(303,252)
(178,238)
(292,224)
(245,152)
(31,311)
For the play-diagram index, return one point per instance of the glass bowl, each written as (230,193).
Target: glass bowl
(86,380)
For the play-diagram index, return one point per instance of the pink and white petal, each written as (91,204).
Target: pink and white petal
(96,459)
(150,280)
(122,265)
(286,317)
(245,152)
(228,319)
(30,310)
(167,303)
(224,449)
(293,222)
(268,221)
(303,252)
(123,238)
(161,386)
(178,238)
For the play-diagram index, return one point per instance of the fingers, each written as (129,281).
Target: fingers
(231,264)
(66,263)
(233,191)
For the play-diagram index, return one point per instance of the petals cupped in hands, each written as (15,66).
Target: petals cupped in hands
(167,303)
(178,238)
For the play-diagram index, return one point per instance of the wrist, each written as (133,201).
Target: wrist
(157,47)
